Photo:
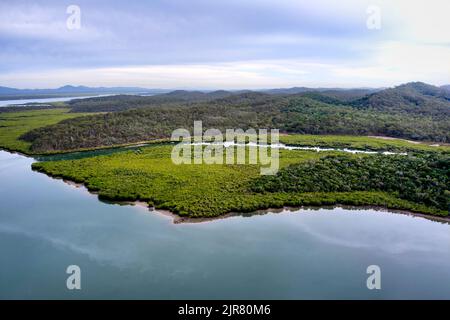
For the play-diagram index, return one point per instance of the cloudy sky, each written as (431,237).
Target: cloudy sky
(229,44)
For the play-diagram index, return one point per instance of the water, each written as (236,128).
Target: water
(129,252)
(6,103)
(288,147)
(112,150)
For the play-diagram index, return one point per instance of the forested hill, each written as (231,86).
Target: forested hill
(126,102)
(292,113)
(416,97)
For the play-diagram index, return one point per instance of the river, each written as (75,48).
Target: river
(22,102)
(127,251)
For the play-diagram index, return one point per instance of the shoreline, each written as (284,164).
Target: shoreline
(102,148)
(177,219)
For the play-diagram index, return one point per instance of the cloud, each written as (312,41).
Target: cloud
(249,74)
(423,22)
(33,22)
(221,36)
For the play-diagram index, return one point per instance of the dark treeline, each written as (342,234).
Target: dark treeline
(423,179)
(155,123)
(417,111)
(126,102)
(302,116)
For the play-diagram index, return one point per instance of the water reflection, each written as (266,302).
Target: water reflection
(130,252)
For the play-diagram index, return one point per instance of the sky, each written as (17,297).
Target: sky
(224,44)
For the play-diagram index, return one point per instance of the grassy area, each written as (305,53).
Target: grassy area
(60,104)
(149,175)
(14,124)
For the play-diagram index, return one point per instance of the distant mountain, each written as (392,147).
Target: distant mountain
(299,90)
(219,94)
(185,95)
(74,90)
(294,90)
(6,90)
(84,89)
(339,96)
(413,97)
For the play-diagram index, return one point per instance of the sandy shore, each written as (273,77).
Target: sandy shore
(181,219)
(178,219)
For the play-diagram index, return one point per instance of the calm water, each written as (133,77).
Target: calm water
(129,252)
(6,103)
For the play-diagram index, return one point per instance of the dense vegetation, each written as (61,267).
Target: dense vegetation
(338,94)
(151,123)
(15,124)
(416,98)
(421,179)
(302,116)
(291,114)
(126,102)
(417,182)
(149,175)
